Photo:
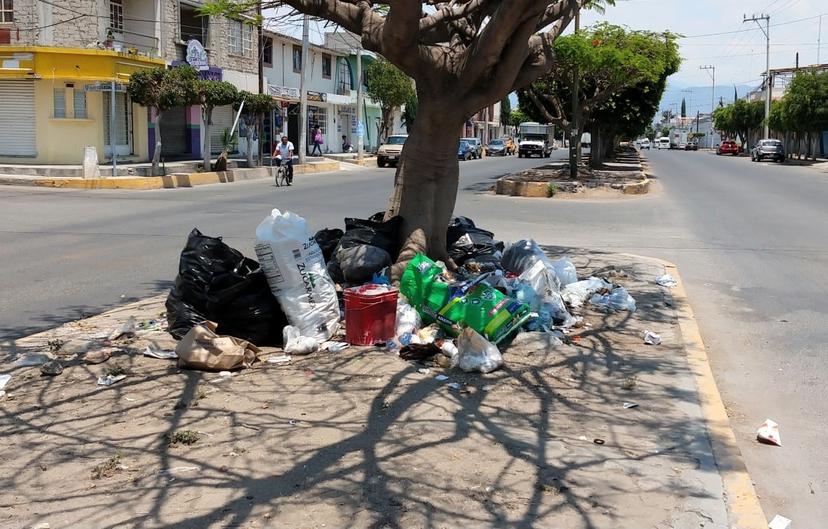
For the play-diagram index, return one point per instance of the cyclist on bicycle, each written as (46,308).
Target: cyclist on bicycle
(284,149)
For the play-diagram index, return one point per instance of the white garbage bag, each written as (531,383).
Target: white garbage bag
(296,273)
(408,319)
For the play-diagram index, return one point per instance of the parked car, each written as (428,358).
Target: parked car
(692,145)
(390,151)
(768,148)
(477,146)
(644,144)
(511,146)
(465,151)
(496,148)
(728,147)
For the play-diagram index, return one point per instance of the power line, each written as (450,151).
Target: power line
(750,29)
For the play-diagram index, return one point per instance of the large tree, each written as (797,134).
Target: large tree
(463,55)
(803,110)
(391,88)
(160,90)
(739,118)
(256,108)
(212,94)
(608,61)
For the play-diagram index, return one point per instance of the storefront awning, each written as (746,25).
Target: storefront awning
(71,63)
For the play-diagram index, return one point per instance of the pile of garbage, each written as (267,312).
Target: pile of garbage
(303,287)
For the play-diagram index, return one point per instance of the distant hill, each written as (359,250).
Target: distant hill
(698,97)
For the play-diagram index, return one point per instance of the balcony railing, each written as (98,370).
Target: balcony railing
(127,41)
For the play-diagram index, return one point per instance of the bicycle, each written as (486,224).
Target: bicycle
(281,176)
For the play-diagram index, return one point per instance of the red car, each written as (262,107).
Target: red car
(728,147)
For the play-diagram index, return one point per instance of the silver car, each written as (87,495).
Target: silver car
(768,148)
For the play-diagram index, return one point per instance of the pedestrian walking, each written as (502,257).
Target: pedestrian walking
(317,141)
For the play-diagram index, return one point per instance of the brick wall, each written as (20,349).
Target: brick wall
(75,24)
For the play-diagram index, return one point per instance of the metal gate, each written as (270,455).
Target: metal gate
(17,119)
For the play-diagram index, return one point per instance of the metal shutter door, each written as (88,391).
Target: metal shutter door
(17,119)
(222,119)
(174,132)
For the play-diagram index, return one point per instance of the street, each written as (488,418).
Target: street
(748,238)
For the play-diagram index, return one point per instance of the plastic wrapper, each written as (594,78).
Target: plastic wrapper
(475,353)
(575,294)
(618,299)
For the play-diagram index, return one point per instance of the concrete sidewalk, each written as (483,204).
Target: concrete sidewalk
(362,439)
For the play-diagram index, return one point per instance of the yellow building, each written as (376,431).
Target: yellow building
(56,101)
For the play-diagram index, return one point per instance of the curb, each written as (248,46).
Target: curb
(743,507)
(170,181)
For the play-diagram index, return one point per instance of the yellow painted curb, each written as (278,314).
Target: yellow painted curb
(744,509)
(178,179)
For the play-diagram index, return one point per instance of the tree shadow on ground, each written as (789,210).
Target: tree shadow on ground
(361,439)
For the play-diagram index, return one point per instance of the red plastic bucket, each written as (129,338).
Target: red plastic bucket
(370,314)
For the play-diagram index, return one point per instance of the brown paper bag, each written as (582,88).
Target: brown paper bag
(201,348)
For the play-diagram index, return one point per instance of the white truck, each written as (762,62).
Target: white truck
(535,139)
(678,139)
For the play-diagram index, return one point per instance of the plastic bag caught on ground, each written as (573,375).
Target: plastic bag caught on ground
(575,294)
(565,271)
(554,311)
(520,256)
(540,278)
(408,319)
(297,344)
(217,283)
(768,433)
(618,299)
(651,338)
(476,353)
(296,273)
(667,280)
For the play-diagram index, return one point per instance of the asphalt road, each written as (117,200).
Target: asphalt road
(750,241)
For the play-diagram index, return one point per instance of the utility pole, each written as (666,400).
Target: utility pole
(303,92)
(819,37)
(113,135)
(261,50)
(711,68)
(360,96)
(766,31)
(574,139)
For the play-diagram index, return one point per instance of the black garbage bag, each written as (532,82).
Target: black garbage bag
(465,241)
(216,282)
(327,239)
(358,264)
(385,235)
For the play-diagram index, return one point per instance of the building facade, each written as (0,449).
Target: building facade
(59,63)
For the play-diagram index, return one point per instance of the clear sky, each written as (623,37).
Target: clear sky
(739,57)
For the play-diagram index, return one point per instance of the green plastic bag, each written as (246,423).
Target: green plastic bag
(454,306)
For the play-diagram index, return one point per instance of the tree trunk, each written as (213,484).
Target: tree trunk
(574,142)
(249,126)
(260,134)
(387,123)
(596,153)
(207,147)
(425,185)
(156,156)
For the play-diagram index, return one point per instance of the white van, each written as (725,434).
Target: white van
(663,143)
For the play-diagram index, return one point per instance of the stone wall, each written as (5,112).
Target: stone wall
(75,24)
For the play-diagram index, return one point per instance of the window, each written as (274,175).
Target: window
(326,66)
(60,103)
(79,100)
(241,38)
(344,84)
(192,26)
(116,15)
(6,11)
(267,51)
(297,58)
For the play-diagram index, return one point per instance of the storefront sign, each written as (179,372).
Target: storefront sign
(283,92)
(104,86)
(210,74)
(197,55)
(318,97)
